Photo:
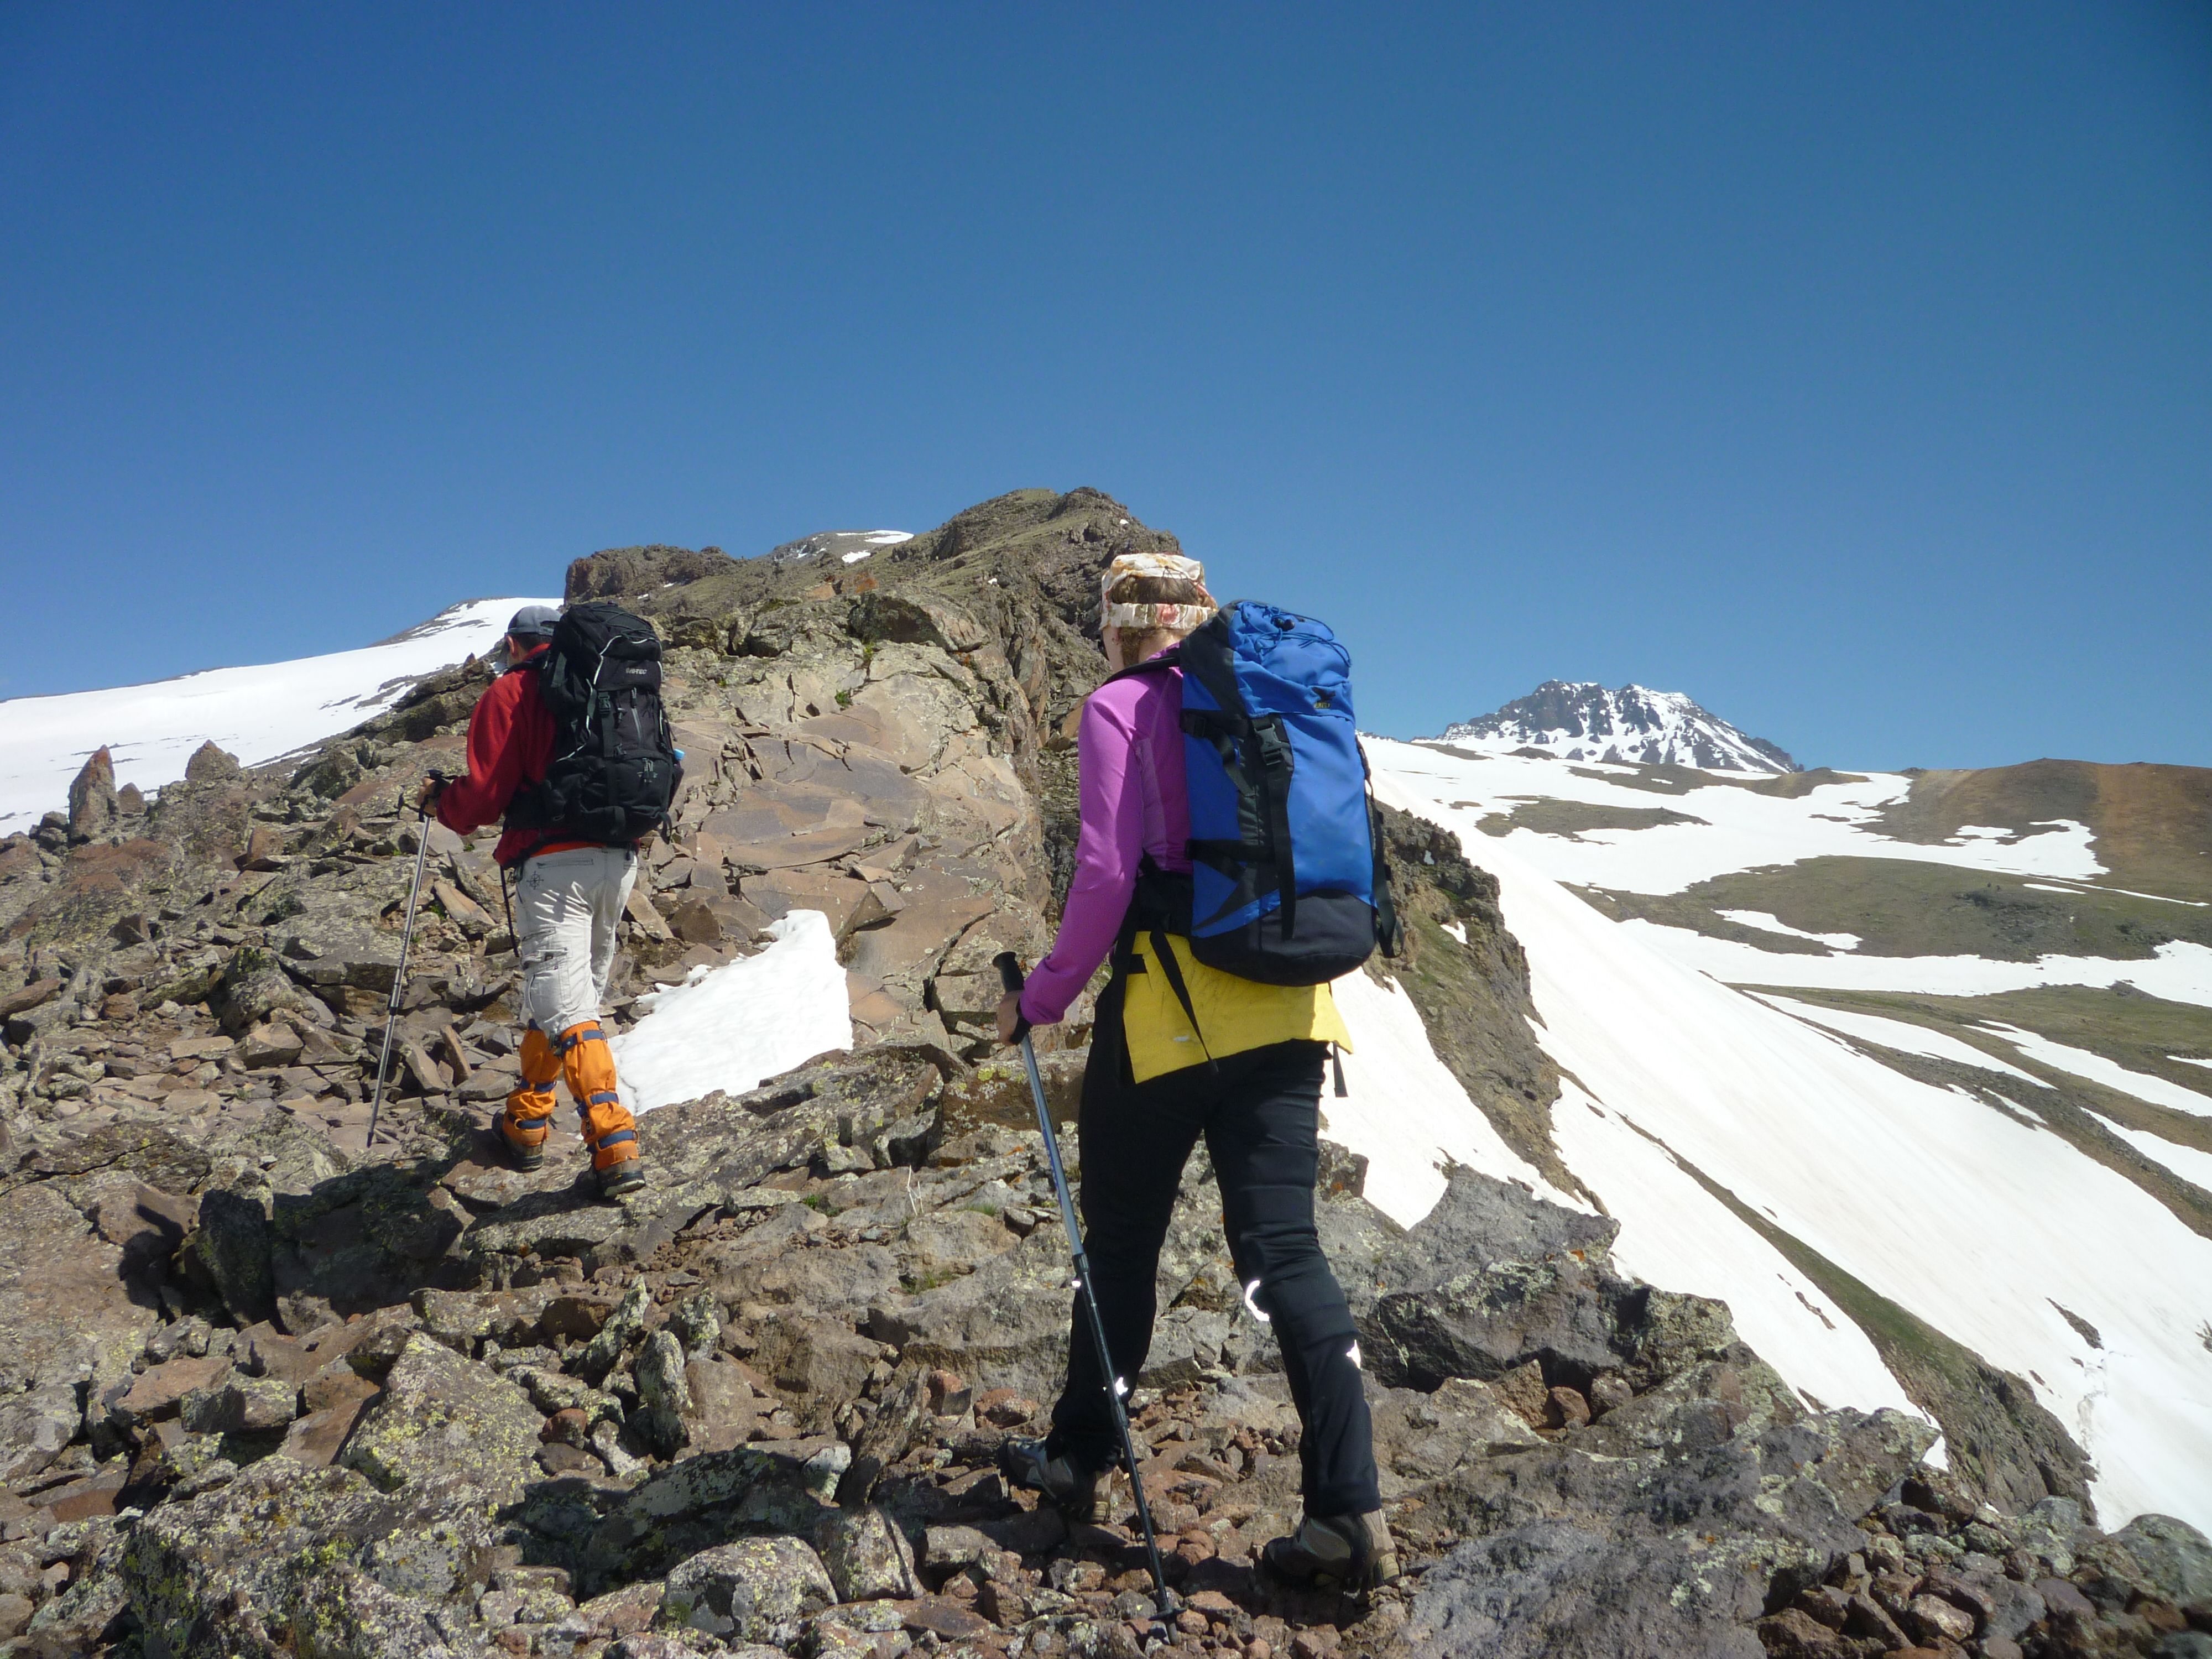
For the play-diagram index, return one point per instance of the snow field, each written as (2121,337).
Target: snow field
(1970,1219)
(1405,1111)
(2179,971)
(1742,829)
(1676,1235)
(728,1028)
(258,713)
(2098,1069)
(1900,1034)
(1769,924)
(2185,1162)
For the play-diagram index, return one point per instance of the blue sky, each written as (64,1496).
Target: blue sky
(1849,367)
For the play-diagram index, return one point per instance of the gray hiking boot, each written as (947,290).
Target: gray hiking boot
(617,1179)
(1079,1492)
(1349,1552)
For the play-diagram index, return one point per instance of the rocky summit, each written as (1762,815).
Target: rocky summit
(268,1388)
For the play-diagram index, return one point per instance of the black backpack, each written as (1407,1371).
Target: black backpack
(614,769)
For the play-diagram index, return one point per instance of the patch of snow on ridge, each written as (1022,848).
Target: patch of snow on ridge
(728,1028)
(1405,1111)
(2190,1060)
(1900,1034)
(2186,1162)
(2098,1069)
(258,713)
(1828,1142)
(1769,924)
(2179,971)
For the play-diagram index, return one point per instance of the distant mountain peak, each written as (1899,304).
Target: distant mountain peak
(1635,725)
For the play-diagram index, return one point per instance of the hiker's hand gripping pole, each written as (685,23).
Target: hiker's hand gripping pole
(423,804)
(1010,975)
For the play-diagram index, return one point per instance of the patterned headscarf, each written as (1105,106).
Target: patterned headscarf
(1171,566)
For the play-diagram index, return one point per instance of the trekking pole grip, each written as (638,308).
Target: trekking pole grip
(1009,970)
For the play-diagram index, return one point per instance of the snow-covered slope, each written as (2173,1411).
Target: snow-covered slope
(1580,719)
(258,713)
(1982,1221)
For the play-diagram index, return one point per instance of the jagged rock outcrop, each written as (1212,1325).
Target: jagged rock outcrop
(93,808)
(622,572)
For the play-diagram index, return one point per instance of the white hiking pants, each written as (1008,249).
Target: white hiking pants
(566,906)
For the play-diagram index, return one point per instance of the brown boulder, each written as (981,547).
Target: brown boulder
(209,764)
(91,805)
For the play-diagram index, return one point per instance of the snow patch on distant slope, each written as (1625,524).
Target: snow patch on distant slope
(1580,719)
(851,546)
(1738,828)
(1826,1141)
(1676,1235)
(1900,1034)
(2179,971)
(1768,924)
(2142,1085)
(1405,1111)
(2186,1162)
(730,1027)
(258,713)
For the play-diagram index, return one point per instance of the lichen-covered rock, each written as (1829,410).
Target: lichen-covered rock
(704,1499)
(2154,1556)
(447,1424)
(621,1327)
(232,1246)
(758,1589)
(664,1395)
(866,1556)
(1491,1280)
(345,1614)
(67,1323)
(233,1571)
(1656,1554)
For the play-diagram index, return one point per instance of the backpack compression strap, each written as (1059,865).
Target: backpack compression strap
(1206,656)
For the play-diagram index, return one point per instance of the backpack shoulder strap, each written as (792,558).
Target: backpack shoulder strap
(1170,658)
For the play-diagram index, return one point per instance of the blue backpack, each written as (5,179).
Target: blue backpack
(1288,886)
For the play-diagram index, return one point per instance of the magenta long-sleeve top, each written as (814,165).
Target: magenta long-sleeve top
(1129,752)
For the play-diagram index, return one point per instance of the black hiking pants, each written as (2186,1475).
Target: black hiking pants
(1260,1114)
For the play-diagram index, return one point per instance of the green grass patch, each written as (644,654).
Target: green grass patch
(1903,908)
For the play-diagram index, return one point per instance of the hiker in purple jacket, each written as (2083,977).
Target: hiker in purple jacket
(1251,1086)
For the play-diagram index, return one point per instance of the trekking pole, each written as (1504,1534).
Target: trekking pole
(1010,975)
(406,938)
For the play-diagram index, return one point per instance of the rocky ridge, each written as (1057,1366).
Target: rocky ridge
(264,1388)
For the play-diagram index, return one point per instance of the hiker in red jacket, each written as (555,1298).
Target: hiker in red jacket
(569,894)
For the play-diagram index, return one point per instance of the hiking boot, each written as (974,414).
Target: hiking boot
(618,1179)
(1349,1552)
(525,1142)
(1076,1491)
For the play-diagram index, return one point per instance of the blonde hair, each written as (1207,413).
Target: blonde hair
(1148,601)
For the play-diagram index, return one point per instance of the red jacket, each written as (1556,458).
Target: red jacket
(510,744)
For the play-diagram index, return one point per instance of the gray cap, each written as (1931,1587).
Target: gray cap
(533,622)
